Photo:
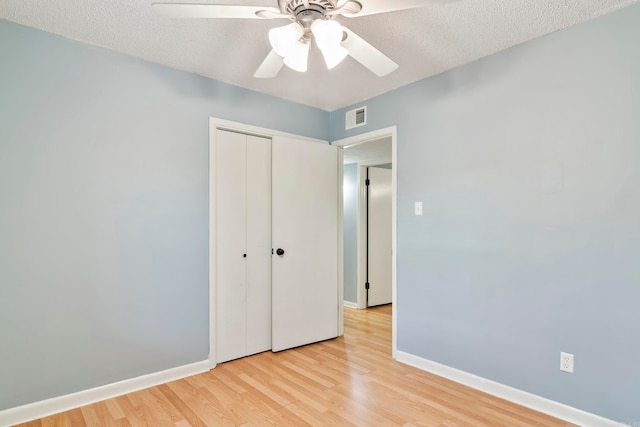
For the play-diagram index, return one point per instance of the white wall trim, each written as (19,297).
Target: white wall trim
(537,403)
(350,304)
(216,123)
(365,137)
(361,235)
(44,408)
(213,256)
(392,132)
(340,243)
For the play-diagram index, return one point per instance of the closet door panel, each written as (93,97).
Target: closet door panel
(258,244)
(231,280)
(305,227)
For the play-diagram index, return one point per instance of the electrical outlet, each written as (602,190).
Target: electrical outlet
(566,362)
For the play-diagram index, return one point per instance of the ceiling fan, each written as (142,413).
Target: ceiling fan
(310,19)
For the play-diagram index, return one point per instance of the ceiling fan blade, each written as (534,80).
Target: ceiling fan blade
(371,7)
(270,66)
(347,8)
(282,5)
(271,13)
(185,10)
(363,52)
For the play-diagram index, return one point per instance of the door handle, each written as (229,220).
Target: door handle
(280,251)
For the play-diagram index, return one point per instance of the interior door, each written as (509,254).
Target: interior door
(305,233)
(231,229)
(243,245)
(258,244)
(379,236)
(258,236)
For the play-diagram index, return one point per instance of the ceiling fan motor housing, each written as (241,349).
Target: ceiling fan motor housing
(296,7)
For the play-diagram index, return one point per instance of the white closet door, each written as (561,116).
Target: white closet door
(380,256)
(305,226)
(231,229)
(258,216)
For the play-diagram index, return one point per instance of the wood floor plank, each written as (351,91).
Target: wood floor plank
(161,409)
(189,415)
(114,409)
(348,381)
(133,414)
(76,418)
(307,414)
(207,408)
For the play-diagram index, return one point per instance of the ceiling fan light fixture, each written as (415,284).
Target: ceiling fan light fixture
(298,57)
(334,56)
(328,35)
(284,39)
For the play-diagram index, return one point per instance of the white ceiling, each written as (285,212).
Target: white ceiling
(424,41)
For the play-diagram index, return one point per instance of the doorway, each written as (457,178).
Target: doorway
(377,251)
(377,148)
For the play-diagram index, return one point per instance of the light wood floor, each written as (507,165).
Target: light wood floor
(347,381)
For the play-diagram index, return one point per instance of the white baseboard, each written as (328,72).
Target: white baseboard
(537,403)
(44,408)
(350,304)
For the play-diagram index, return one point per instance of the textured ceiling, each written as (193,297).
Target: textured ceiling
(424,41)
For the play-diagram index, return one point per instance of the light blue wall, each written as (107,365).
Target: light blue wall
(528,164)
(104,211)
(350,234)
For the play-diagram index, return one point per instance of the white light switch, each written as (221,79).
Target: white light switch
(418,208)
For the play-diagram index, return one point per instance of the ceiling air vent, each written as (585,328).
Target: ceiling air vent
(356,117)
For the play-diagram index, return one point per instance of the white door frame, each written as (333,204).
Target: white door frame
(216,123)
(361,139)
